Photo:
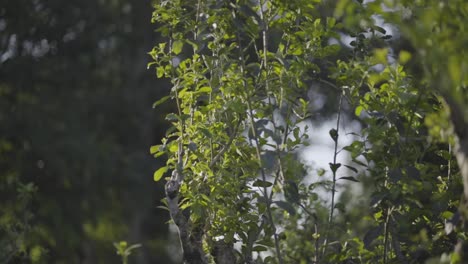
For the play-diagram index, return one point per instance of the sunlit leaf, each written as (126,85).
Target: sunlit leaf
(404,57)
(160,71)
(159,173)
(161,101)
(358,110)
(177,46)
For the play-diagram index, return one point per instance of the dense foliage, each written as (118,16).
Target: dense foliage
(242,73)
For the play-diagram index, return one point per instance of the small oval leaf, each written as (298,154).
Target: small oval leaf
(159,173)
(177,46)
(260,183)
(333,134)
(358,110)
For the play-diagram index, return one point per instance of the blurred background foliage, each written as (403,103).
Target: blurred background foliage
(75,126)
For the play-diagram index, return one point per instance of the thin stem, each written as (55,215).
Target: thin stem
(449,165)
(387,233)
(316,231)
(262,171)
(335,155)
(179,111)
(226,147)
(265,66)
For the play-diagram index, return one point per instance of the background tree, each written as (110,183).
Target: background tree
(76,121)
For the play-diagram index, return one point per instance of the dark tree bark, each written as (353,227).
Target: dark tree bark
(190,240)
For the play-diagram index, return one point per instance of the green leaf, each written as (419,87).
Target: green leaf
(177,46)
(260,183)
(205,197)
(331,21)
(160,71)
(159,154)
(206,132)
(161,101)
(194,45)
(172,117)
(321,172)
(154,149)
(358,110)
(205,89)
(174,147)
(163,207)
(291,192)
(359,162)
(159,173)
(340,206)
(380,55)
(404,57)
(259,248)
(380,29)
(447,215)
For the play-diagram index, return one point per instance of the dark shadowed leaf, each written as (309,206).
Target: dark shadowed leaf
(412,172)
(351,168)
(286,206)
(341,207)
(259,248)
(371,235)
(206,132)
(349,178)
(260,183)
(334,166)
(333,134)
(395,175)
(291,192)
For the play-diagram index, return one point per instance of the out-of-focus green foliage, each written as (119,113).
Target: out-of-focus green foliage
(124,250)
(75,120)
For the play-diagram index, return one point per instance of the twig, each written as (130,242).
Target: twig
(335,154)
(226,147)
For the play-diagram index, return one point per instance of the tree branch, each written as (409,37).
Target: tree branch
(190,240)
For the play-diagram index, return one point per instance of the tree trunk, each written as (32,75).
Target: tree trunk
(460,131)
